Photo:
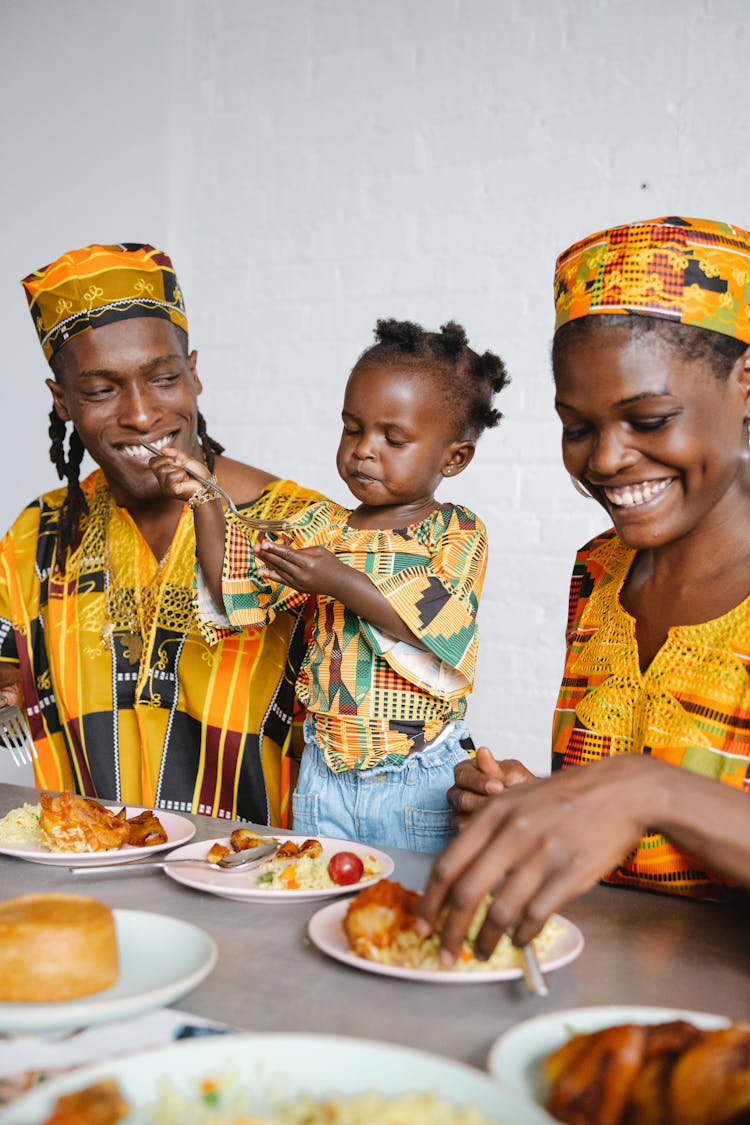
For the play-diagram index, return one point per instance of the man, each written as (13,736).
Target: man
(124,697)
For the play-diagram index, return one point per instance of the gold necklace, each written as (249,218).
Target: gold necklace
(129,609)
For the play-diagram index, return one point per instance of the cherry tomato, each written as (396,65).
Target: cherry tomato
(345,868)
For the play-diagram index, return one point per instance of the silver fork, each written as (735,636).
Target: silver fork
(251,521)
(15,736)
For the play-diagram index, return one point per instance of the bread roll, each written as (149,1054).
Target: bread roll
(55,947)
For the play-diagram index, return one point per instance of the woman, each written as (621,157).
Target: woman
(652,377)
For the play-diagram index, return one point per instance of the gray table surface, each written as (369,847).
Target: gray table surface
(640,949)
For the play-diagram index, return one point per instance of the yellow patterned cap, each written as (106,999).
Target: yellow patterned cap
(693,271)
(97,285)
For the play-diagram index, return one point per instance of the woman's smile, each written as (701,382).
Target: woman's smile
(639,493)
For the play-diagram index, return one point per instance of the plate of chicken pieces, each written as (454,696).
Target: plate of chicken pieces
(67,830)
(376,932)
(300,869)
(629,1066)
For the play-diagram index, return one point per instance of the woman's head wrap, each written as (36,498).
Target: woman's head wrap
(693,271)
(97,285)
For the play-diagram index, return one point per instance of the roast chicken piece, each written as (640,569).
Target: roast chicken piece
(73,824)
(290,849)
(665,1074)
(145,830)
(216,852)
(101,1104)
(591,1075)
(378,914)
(711,1080)
(244,838)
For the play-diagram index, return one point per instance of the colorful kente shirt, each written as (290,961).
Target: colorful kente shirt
(125,699)
(374,699)
(691,707)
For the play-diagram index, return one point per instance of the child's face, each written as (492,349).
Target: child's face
(398,440)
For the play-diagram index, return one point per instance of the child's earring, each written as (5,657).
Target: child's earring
(579,487)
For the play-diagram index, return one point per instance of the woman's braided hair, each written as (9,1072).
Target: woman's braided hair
(469,380)
(74,506)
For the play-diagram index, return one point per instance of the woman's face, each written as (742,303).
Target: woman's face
(657,438)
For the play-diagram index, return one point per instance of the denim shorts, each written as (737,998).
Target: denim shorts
(397,806)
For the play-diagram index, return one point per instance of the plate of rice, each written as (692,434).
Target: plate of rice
(279,880)
(21,836)
(413,957)
(280,1078)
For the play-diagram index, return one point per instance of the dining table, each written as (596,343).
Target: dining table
(640,949)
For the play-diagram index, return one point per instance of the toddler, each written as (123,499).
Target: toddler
(396,582)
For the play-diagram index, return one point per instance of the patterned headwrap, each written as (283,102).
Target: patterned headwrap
(693,271)
(97,285)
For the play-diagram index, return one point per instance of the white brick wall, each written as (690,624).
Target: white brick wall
(312,165)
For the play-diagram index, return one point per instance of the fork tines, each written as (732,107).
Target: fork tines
(16,737)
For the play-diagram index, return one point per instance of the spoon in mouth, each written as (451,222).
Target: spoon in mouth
(251,521)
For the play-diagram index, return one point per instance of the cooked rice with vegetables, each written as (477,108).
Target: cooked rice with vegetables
(222,1102)
(307,873)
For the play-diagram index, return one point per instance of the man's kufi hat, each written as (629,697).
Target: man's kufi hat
(98,285)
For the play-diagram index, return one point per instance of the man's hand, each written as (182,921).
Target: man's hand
(11,687)
(479,778)
(173,480)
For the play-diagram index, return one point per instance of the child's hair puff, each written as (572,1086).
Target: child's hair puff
(469,381)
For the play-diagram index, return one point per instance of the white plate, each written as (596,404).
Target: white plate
(243,885)
(288,1064)
(327,932)
(178,829)
(516,1057)
(161,959)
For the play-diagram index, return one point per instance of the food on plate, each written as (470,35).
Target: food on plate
(290,849)
(244,838)
(56,947)
(217,851)
(100,1104)
(68,823)
(304,867)
(380,926)
(74,824)
(345,868)
(660,1074)
(20,825)
(144,830)
(223,1101)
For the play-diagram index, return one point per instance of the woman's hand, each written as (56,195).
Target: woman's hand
(311,570)
(478,779)
(173,480)
(536,846)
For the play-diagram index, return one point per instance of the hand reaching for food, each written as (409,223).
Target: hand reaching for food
(535,846)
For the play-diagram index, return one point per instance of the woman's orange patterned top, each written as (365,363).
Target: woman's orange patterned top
(690,707)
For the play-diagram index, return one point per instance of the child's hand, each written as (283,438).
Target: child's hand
(171,477)
(311,570)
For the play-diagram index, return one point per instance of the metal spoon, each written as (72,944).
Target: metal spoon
(536,981)
(233,862)
(251,521)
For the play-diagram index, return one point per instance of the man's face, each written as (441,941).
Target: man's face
(126,382)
